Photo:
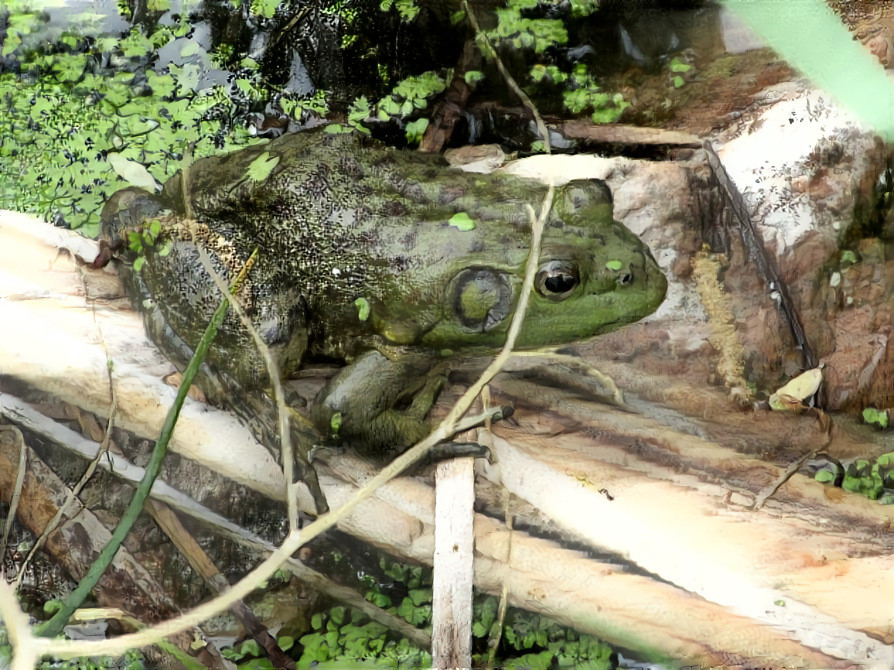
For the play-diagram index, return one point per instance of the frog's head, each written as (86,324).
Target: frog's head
(594,276)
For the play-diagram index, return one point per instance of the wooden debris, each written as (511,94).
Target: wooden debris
(452,588)
(799,583)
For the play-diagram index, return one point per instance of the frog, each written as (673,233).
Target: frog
(383,260)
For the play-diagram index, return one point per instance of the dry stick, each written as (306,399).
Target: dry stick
(202,564)
(496,629)
(17,492)
(19,412)
(88,473)
(295,539)
(765,263)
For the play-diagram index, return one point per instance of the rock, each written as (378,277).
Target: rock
(880,47)
(808,171)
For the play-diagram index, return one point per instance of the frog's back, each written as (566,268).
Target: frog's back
(341,213)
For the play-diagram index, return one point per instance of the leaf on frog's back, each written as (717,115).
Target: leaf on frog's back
(363,308)
(261,167)
(132,172)
(462,221)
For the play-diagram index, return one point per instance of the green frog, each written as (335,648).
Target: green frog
(383,259)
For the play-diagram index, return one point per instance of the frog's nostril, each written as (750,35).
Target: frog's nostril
(625,278)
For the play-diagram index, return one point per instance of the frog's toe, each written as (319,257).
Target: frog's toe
(446,450)
(425,397)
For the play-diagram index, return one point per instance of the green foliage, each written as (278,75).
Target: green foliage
(415,130)
(411,94)
(875,416)
(873,478)
(406,8)
(529,641)
(72,132)
(264,8)
(64,121)
(358,113)
(521,32)
(540,642)
(677,67)
(348,635)
(580,92)
(133,660)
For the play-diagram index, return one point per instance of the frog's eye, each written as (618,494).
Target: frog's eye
(556,280)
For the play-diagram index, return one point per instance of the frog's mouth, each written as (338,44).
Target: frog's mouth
(481,298)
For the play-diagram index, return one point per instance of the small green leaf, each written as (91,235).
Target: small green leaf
(363,308)
(335,422)
(848,256)
(676,65)
(779,603)
(420,596)
(473,76)
(261,167)
(337,614)
(678,81)
(614,265)
(138,263)
(415,130)
(249,648)
(876,416)
(824,476)
(462,221)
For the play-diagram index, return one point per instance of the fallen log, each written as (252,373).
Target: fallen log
(799,583)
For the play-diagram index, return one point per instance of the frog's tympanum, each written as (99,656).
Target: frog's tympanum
(381,258)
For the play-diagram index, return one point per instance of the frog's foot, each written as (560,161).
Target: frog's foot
(362,404)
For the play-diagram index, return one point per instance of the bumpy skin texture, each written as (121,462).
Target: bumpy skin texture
(359,261)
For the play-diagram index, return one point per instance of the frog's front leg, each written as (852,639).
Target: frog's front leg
(360,404)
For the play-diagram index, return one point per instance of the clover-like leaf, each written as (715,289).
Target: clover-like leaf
(261,167)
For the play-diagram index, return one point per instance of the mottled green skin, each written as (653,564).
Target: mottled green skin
(343,218)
